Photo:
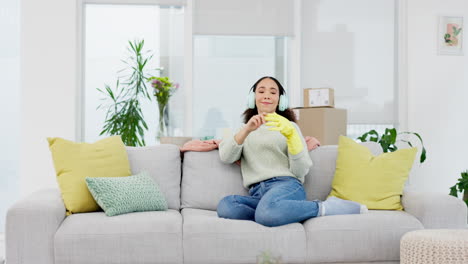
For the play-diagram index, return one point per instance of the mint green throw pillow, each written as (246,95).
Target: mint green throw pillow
(121,195)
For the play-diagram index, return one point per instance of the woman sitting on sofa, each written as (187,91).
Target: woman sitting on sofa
(274,159)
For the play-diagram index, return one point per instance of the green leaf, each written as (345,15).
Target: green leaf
(384,146)
(423,155)
(363,137)
(393,135)
(374,136)
(456,31)
(453,191)
(422,158)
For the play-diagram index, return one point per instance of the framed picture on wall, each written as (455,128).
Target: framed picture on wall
(450,35)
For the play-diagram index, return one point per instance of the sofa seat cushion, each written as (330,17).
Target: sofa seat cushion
(374,236)
(210,239)
(144,237)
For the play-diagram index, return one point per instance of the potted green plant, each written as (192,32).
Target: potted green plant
(389,139)
(124,116)
(461,187)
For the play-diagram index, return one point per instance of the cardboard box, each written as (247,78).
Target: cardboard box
(325,124)
(319,97)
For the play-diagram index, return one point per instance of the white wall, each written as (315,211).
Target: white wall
(437,95)
(48,84)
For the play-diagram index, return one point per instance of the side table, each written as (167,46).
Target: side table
(434,246)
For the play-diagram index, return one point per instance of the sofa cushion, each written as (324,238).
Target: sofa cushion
(210,239)
(206,180)
(121,195)
(145,237)
(74,162)
(374,236)
(162,162)
(375,181)
(318,181)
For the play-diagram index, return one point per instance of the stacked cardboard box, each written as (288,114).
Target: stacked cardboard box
(319,97)
(324,122)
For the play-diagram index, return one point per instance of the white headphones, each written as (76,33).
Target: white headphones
(282,104)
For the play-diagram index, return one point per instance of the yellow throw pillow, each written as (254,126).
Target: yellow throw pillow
(74,162)
(376,181)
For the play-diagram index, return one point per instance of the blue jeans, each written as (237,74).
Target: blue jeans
(273,202)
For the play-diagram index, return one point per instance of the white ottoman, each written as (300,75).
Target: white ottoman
(434,246)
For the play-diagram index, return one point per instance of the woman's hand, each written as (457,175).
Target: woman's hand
(281,124)
(255,122)
(285,127)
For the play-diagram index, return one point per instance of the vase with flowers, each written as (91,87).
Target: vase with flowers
(163,89)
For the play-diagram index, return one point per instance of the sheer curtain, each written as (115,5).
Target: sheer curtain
(9,105)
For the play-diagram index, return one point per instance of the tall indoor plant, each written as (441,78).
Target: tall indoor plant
(124,116)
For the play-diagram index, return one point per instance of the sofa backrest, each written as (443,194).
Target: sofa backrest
(206,180)
(163,163)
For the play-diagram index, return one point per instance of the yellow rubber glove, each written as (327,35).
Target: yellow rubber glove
(285,127)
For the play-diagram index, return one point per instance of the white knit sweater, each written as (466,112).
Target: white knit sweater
(264,155)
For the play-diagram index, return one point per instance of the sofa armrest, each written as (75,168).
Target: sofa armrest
(31,224)
(435,210)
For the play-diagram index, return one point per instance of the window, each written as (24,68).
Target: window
(351,46)
(106,41)
(347,45)
(9,106)
(225,68)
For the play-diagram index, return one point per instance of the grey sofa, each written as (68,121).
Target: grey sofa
(39,232)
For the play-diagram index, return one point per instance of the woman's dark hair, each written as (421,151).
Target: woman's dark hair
(287,113)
